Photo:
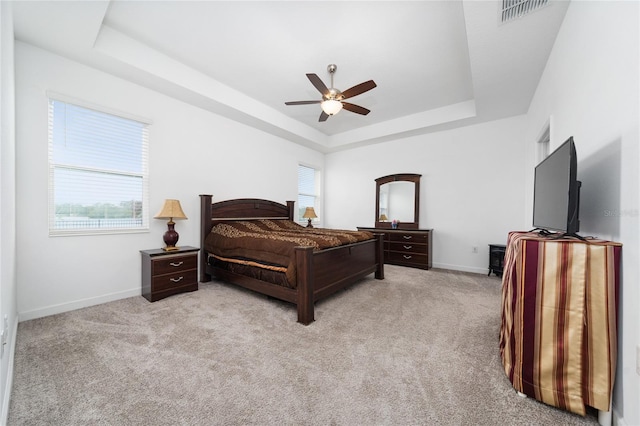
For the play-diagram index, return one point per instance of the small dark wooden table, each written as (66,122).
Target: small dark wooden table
(496,258)
(165,273)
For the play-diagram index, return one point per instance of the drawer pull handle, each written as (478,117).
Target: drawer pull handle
(176,280)
(406,257)
(407,237)
(407,247)
(176,264)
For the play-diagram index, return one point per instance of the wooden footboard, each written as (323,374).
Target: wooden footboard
(322,273)
(319,274)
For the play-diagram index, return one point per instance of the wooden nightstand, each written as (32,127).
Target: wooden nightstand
(165,273)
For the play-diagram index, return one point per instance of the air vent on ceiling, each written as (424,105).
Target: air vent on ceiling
(514,9)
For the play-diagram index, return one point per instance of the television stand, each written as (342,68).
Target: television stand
(558,301)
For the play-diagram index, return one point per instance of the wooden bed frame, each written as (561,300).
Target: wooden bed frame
(319,274)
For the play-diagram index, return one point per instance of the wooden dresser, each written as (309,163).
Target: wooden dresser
(406,247)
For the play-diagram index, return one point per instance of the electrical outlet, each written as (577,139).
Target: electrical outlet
(474,249)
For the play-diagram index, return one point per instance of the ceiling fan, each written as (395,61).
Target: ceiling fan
(333,99)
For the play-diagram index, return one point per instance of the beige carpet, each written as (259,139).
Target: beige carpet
(420,347)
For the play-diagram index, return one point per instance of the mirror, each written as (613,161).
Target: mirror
(398,198)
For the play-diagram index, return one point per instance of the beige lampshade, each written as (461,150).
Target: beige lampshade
(171,210)
(309,213)
(383,217)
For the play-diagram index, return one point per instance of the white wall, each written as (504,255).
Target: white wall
(8,281)
(472,187)
(590,90)
(476,181)
(192,152)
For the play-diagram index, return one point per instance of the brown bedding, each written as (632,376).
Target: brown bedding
(270,243)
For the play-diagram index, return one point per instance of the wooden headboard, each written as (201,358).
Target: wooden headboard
(238,209)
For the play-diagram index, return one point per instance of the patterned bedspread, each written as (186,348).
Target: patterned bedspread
(270,244)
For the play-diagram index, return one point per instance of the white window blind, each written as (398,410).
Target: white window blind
(308,190)
(98,171)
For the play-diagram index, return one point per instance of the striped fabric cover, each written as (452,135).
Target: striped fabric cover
(558,336)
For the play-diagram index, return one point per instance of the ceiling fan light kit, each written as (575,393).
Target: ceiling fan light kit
(332,98)
(331,106)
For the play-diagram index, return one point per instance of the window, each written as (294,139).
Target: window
(308,191)
(98,173)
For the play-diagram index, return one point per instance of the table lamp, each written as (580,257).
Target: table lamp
(309,213)
(171,210)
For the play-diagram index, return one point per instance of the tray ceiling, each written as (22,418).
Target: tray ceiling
(437,64)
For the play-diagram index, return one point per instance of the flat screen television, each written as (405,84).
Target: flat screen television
(556,192)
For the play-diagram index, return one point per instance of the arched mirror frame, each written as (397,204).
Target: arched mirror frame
(401,177)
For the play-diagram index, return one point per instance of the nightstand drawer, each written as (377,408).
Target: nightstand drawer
(178,279)
(168,265)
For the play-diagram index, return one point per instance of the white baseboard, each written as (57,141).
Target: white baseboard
(9,382)
(77,304)
(617,420)
(473,270)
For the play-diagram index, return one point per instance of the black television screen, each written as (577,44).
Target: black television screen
(556,191)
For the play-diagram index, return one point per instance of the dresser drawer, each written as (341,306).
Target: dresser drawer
(411,259)
(167,265)
(408,237)
(177,279)
(408,247)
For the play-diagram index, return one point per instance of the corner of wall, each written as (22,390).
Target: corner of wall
(8,281)
(8,383)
